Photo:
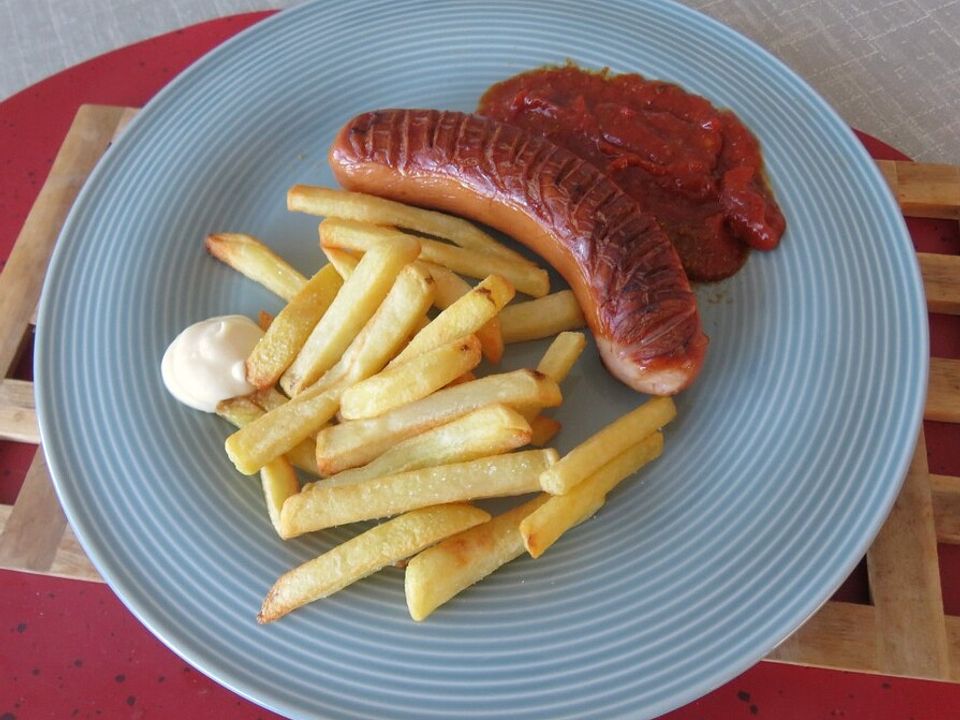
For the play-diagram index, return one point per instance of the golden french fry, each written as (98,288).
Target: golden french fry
(464,317)
(264,320)
(250,257)
(562,354)
(280,430)
(541,318)
(440,572)
(410,381)
(488,431)
(365,554)
(243,410)
(353,306)
(359,237)
(357,442)
(466,377)
(597,450)
(556,363)
(290,329)
(541,528)
(329,202)
(498,476)
(450,288)
(392,324)
(344,262)
(279,481)
(543,429)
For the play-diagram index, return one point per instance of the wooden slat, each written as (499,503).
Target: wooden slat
(839,635)
(941,282)
(35,527)
(843,635)
(18,415)
(22,278)
(904,578)
(923,189)
(943,391)
(946,507)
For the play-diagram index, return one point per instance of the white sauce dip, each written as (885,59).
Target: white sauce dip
(205,363)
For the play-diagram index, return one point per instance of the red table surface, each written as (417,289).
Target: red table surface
(71,649)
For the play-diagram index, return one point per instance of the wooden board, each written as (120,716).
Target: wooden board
(903,632)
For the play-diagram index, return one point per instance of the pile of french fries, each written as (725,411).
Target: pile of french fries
(367,382)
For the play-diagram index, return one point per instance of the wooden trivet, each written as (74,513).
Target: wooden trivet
(903,632)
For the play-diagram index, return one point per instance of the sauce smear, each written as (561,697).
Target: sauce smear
(696,168)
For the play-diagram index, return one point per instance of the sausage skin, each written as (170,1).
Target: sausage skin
(620,264)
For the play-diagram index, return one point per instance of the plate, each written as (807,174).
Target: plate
(785,459)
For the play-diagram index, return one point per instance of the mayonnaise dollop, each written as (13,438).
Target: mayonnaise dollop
(205,363)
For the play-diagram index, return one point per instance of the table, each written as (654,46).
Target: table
(71,649)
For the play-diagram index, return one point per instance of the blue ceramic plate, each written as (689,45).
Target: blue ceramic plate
(785,458)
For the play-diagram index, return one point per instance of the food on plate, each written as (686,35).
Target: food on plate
(543,429)
(491,430)
(365,554)
(344,262)
(356,303)
(594,452)
(697,168)
(562,354)
(540,318)
(357,442)
(541,528)
(323,506)
(250,257)
(438,573)
(289,330)
(392,322)
(412,380)
(359,236)
(330,202)
(620,264)
(279,481)
(240,411)
(205,363)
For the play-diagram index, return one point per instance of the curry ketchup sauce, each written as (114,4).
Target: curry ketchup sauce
(696,168)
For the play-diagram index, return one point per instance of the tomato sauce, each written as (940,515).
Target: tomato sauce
(697,168)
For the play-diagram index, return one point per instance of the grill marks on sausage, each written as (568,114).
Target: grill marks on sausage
(642,293)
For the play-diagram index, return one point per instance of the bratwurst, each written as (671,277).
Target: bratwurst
(621,266)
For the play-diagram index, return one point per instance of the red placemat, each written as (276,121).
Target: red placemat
(70,648)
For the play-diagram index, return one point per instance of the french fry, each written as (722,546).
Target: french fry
(498,476)
(243,410)
(250,257)
(464,317)
(542,430)
(556,364)
(357,442)
(329,202)
(344,262)
(541,528)
(365,554)
(278,431)
(440,572)
(490,430)
(540,318)
(597,450)
(450,288)
(290,329)
(359,237)
(353,306)
(562,355)
(411,380)
(466,377)
(279,481)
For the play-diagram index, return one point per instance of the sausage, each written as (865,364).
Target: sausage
(620,264)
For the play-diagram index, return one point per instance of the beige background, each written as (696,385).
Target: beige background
(890,67)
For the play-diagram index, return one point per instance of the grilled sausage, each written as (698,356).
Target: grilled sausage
(618,261)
